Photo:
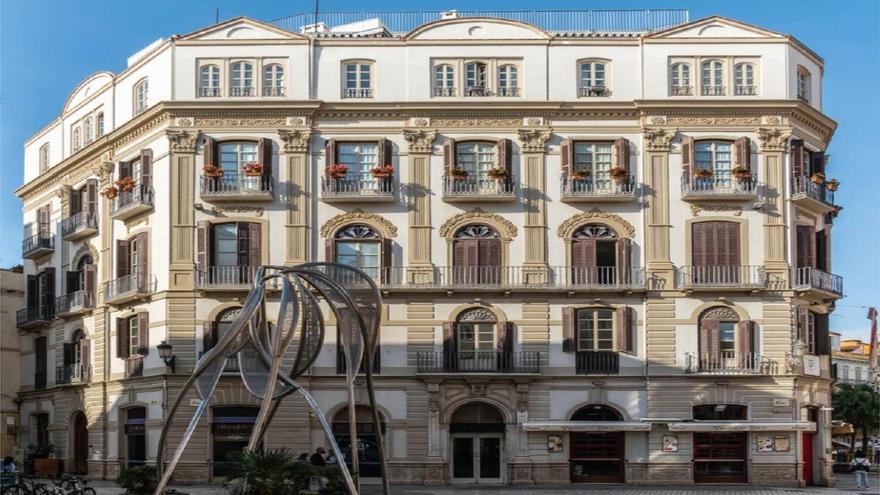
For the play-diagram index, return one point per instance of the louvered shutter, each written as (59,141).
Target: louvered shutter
(450,158)
(710,340)
(242,242)
(33,292)
(504,344)
(624,253)
(621,153)
(47,291)
(71,282)
(803,323)
(143,332)
(566,152)
(568,329)
(449,345)
(203,245)
(44,215)
(805,246)
(85,353)
(67,356)
(745,341)
(625,323)
(123,265)
(387,259)
(797,158)
(701,238)
(264,150)
(147,167)
(489,256)
(687,155)
(123,170)
(122,347)
(743,152)
(209,335)
(74,200)
(504,155)
(330,250)
(329,152)
(255,244)
(90,278)
(143,260)
(209,148)
(823,339)
(90,200)
(384,151)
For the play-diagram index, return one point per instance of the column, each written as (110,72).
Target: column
(182,176)
(773,144)
(294,174)
(656,182)
(418,255)
(534,185)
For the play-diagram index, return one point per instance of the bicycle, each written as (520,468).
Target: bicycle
(25,485)
(71,485)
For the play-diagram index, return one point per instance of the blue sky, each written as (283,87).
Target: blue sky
(50,46)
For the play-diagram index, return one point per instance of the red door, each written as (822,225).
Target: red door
(807,449)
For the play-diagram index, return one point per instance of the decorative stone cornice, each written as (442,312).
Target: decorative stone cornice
(420,141)
(382,224)
(658,139)
(295,140)
(713,121)
(182,141)
(773,139)
(475,122)
(533,140)
(506,229)
(696,208)
(618,223)
(240,122)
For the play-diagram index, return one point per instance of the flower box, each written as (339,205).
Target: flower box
(110,192)
(702,173)
(580,174)
(498,173)
(212,171)
(382,171)
(619,174)
(252,169)
(832,185)
(337,171)
(741,173)
(458,173)
(818,178)
(126,184)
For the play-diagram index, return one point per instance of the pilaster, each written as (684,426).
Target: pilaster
(295,175)
(534,184)
(773,146)
(656,184)
(421,146)
(105,175)
(182,174)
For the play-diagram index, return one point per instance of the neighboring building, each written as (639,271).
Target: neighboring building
(545,320)
(11,300)
(852,359)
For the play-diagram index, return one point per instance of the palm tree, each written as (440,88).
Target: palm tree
(858,405)
(268,472)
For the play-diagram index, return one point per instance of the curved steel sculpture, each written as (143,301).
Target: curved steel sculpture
(272,356)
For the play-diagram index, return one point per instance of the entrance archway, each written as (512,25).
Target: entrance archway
(369,460)
(80,452)
(720,457)
(477,444)
(597,457)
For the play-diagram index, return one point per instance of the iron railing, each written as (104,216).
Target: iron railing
(453,188)
(273,91)
(745,90)
(597,363)
(358,93)
(34,314)
(142,194)
(243,91)
(597,188)
(491,277)
(682,90)
(81,299)
(225,276)
(357,185)
(510,91)
(79,221)
(807,277)
(73,373)
(713,90)
(211,92)
(135,283)
(717,186)
(804,187)
(134,366)
(477,91)
(730,362)
(548,20)
(445,91)
(236,185)
(722,276)
(478,362)
(40,241)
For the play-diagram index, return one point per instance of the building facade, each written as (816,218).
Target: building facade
(604,254)
(11,300)
(852,360)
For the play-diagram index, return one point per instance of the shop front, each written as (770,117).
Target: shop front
(231,429)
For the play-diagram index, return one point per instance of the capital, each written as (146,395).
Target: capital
(295,141)
(182,141)
(773,139)
(420,141)
(658,139)
(533,140)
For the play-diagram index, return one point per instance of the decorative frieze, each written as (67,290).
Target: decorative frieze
(245,122)
(295,141)
(696,208)
(420,141)
(712,121)
(773,139)
(476,122)
(533,140)
(182,141)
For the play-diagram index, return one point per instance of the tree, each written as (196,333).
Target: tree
(858,405)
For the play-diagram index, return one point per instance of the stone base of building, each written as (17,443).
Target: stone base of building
(774,475)
(670,474)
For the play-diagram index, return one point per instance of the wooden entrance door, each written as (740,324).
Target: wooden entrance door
(80,444)
(720,457)
(807,449)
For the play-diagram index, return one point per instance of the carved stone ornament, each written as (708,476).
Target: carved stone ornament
(477,389)
(658,139)
(295,141)
(533,140)
(476,122)
(385,227)
(244,122)
(696,208)
(182,141)
(421,141)
(505,227)
(684,121)
(221,210)
(720,313)
(657,120)
(184,122)
(522,397)
(773,139)
(477,314)
(619,224)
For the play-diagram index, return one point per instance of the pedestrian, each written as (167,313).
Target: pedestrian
(317,459)
(8,465)
(303,458)
(860,467)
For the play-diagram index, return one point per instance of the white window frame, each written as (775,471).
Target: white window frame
(364,87)
(594,340)
(214,86)
(803,83)
(476,89)
(508,80)
(238,73)
(274,82)
(681,79)
(721,169)
(745,79)
(99,124)
(134,346)
(443,80)
(717,77)
(76,138)
(141,95)
(593,86)
(88,130)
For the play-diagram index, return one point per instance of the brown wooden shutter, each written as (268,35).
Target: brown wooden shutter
(624,253)
(743,152)
(242,243)
(143,332)
(625,323)
(745,340)
(90,278)
(75,201)
(821,255)
(687,154)
(143,259)
(566,152)
(122,347)
(123,170)
(329,152)
(387,259)
(583,253)
(90,200)
(255,244)
(385,152)
(44,216)
(264,150)
(147,167)
(504,154)
(823,339)
(621,152)
(123,265)
(506,337)
(203,244)
(805,246)
(33,292)
(209,148)
(797,158)
(209,335)
(47,290)
(728,245)
(568,329)
(450,157)
(330,250)
(85,352)
(710,340)
(802,323)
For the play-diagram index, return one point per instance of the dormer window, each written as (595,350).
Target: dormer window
(273,80)
(508,80)
(592,76)
(476,79)
(712,78)
(209,81)
(681,79)
(358,80)
(444,80)
(242,83)
(744,80)
(141,96)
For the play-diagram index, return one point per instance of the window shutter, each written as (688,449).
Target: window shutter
(33,292)
(687,155)
(123,267)
(568,329)
(264,149)
(143,259)
(122,348)
(209,335)
(330,250)
(710,344)
(823,340)
(329,152)
(387,259)
(143,332)
(209,148)
(44,214)
(203,244)
(745,341)
(85,352)
(90,201)
(74,201)
(625,323)
(242,243)
(147,167)
(730,246)
(621,152)
(803,323)
(566,152)
(450,158)
(624,253)
(68,354)
(743,152)
(449,347)
(805,246)
(385,152)
(504,155)
(583,253)
(255,244)
(90,279)
(506,337)
(47,291)
(123,170)
(71,282)
(797,158)
(826,238)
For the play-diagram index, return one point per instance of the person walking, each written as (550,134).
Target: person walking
(317,459)
(860,467)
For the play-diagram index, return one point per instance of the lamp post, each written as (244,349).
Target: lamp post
(166,352)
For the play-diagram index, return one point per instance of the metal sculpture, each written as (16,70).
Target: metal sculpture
(271,357)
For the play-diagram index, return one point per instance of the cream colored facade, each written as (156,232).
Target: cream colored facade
(12,284)
(530,303)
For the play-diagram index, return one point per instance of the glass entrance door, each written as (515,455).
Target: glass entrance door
(477,459)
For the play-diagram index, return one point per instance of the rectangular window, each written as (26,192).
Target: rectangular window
(360,254)
(40,362)
(133,343)
(714,156)
(595,330)
(476,158)
(233,156)
(358,80)
(133,258)
(226,245)
(727,337)
(596,159)
(140,97)
(360,158)
(473,337)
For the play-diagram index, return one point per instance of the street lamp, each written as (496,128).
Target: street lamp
(166,352)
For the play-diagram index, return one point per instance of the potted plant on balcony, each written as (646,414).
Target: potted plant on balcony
(458,173)
(619,174)
(337,171)
(580,174)
(702,173)
(110,192)
(741,173)
(832,184)
(252,169)
(497,173)
(818,178)
(126,184)
(382,171)
(212,171)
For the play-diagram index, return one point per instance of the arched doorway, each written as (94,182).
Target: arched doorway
(80,452)
(720,457)
(369,460)
(598,255)
(597,457)
(477,444)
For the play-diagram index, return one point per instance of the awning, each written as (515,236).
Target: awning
(586,426)
(742,426)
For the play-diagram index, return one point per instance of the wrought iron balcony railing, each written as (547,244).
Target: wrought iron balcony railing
(79,225)
(225,276)
(510,277)
(716,187)
(73,302)
(478,362)
(210,92)
(34,316)
(358,93)
(745,90)
(129,203)
(809,278)
(722,277)
(444,91)
(586,91)
(598,189)
(73,373)
(358,187)
(273,91)
(731,363)
(510,91)
(597,362)
(37,245)
(129,287)
(479,188)
(477,91)
(243,91)
(804,188)
(236,187)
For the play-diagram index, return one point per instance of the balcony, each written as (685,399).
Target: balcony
(74,303)
(682,90)
(129,288)
(479,362)
(592,91)
(508,91)
(811,196)
(73,374)
(808,278)
(444,92)
(730,363)
(730,189)
(79,225)
(564,278)
(597,363)
(726,277)
(713,90)
(477,91)
(276,91)
(745,90)
(358,93)
(478,190)
(225,277)
(134,366)
(589,190)
(210,92)
(128,204)
(33,317)
(236,187)
(229,367)
(37,245)
(361,187)
(242,91)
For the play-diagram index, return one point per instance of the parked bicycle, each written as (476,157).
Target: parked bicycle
(25,485)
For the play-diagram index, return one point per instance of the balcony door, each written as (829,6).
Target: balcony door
(369,460)
(716,253)
(80,451)
(228,253)
(598,256)
(726,343)
(477,342)
(597,457)
(476,256)
(359,246)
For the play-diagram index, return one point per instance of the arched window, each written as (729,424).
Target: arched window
(209,81)
(599,256)
(592,78)
(99,124)
(476,79)
(141,96)
(844,374)
(214,330)
(83,277)
(360,246)
(44,157)
(76,139)
(273,80)
(444,80)
(681,79)
(476,255)
(712,78)
(725,342)
(369,461)
(76,359)
(76,340)
(596,412)
(508,80)
(744,79)
(475,338)
(803,84)
(88,130)
(242,82)
(358,79)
